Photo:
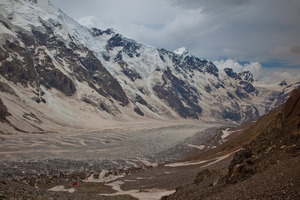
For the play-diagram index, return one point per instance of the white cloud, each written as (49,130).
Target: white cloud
(89,21)
(292,53)
(187,21)
(275,75)
(254,67)
(229,63)
(265,74)
(177,28)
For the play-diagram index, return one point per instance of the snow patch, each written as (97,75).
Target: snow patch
(226,133)
(103,178)
(148,164)
(145,194)
(214,160)
(201,147)
(61,188)
(181,164)
(219,159)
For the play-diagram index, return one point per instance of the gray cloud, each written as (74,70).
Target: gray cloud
(275,75)
(295,49)
(210,5)
(254,67)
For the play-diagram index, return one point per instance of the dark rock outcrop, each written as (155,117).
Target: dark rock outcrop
(138,111)
(98,75)
(34,71)
(16,70)
(129,47)
(97,32)
(131,74)
(140,100)
(56,79)
(246,76)
(3,112)
(245,80)
(232,74)
(174,91)
(189,63)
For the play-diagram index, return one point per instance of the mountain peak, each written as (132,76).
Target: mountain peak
(247,76)
(182,51)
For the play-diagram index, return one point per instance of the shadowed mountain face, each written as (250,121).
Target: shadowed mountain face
(266,167)
(47,57)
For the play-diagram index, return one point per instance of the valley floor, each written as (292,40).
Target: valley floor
(149,177)
(119,161)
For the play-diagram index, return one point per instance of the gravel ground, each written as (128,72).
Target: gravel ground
(280,181)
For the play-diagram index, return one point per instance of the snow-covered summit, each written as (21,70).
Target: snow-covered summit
(182,51)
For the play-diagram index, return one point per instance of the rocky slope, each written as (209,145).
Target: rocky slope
(54,70)
(267,167)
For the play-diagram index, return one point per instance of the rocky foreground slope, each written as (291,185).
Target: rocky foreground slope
(267,167)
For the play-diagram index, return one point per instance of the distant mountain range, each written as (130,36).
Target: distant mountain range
(56,73)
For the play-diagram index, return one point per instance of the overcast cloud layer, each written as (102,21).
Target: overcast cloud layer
(250,31)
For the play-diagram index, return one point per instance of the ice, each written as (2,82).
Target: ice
(93,151)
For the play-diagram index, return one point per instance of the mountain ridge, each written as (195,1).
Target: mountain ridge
(47,52)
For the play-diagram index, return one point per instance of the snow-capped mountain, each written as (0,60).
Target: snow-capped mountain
(53,71)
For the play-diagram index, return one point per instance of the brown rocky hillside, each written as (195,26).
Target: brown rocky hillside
(266,167)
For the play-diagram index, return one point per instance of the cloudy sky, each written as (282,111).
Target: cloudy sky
(258,35)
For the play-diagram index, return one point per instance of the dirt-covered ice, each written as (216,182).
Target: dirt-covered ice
(112,148)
